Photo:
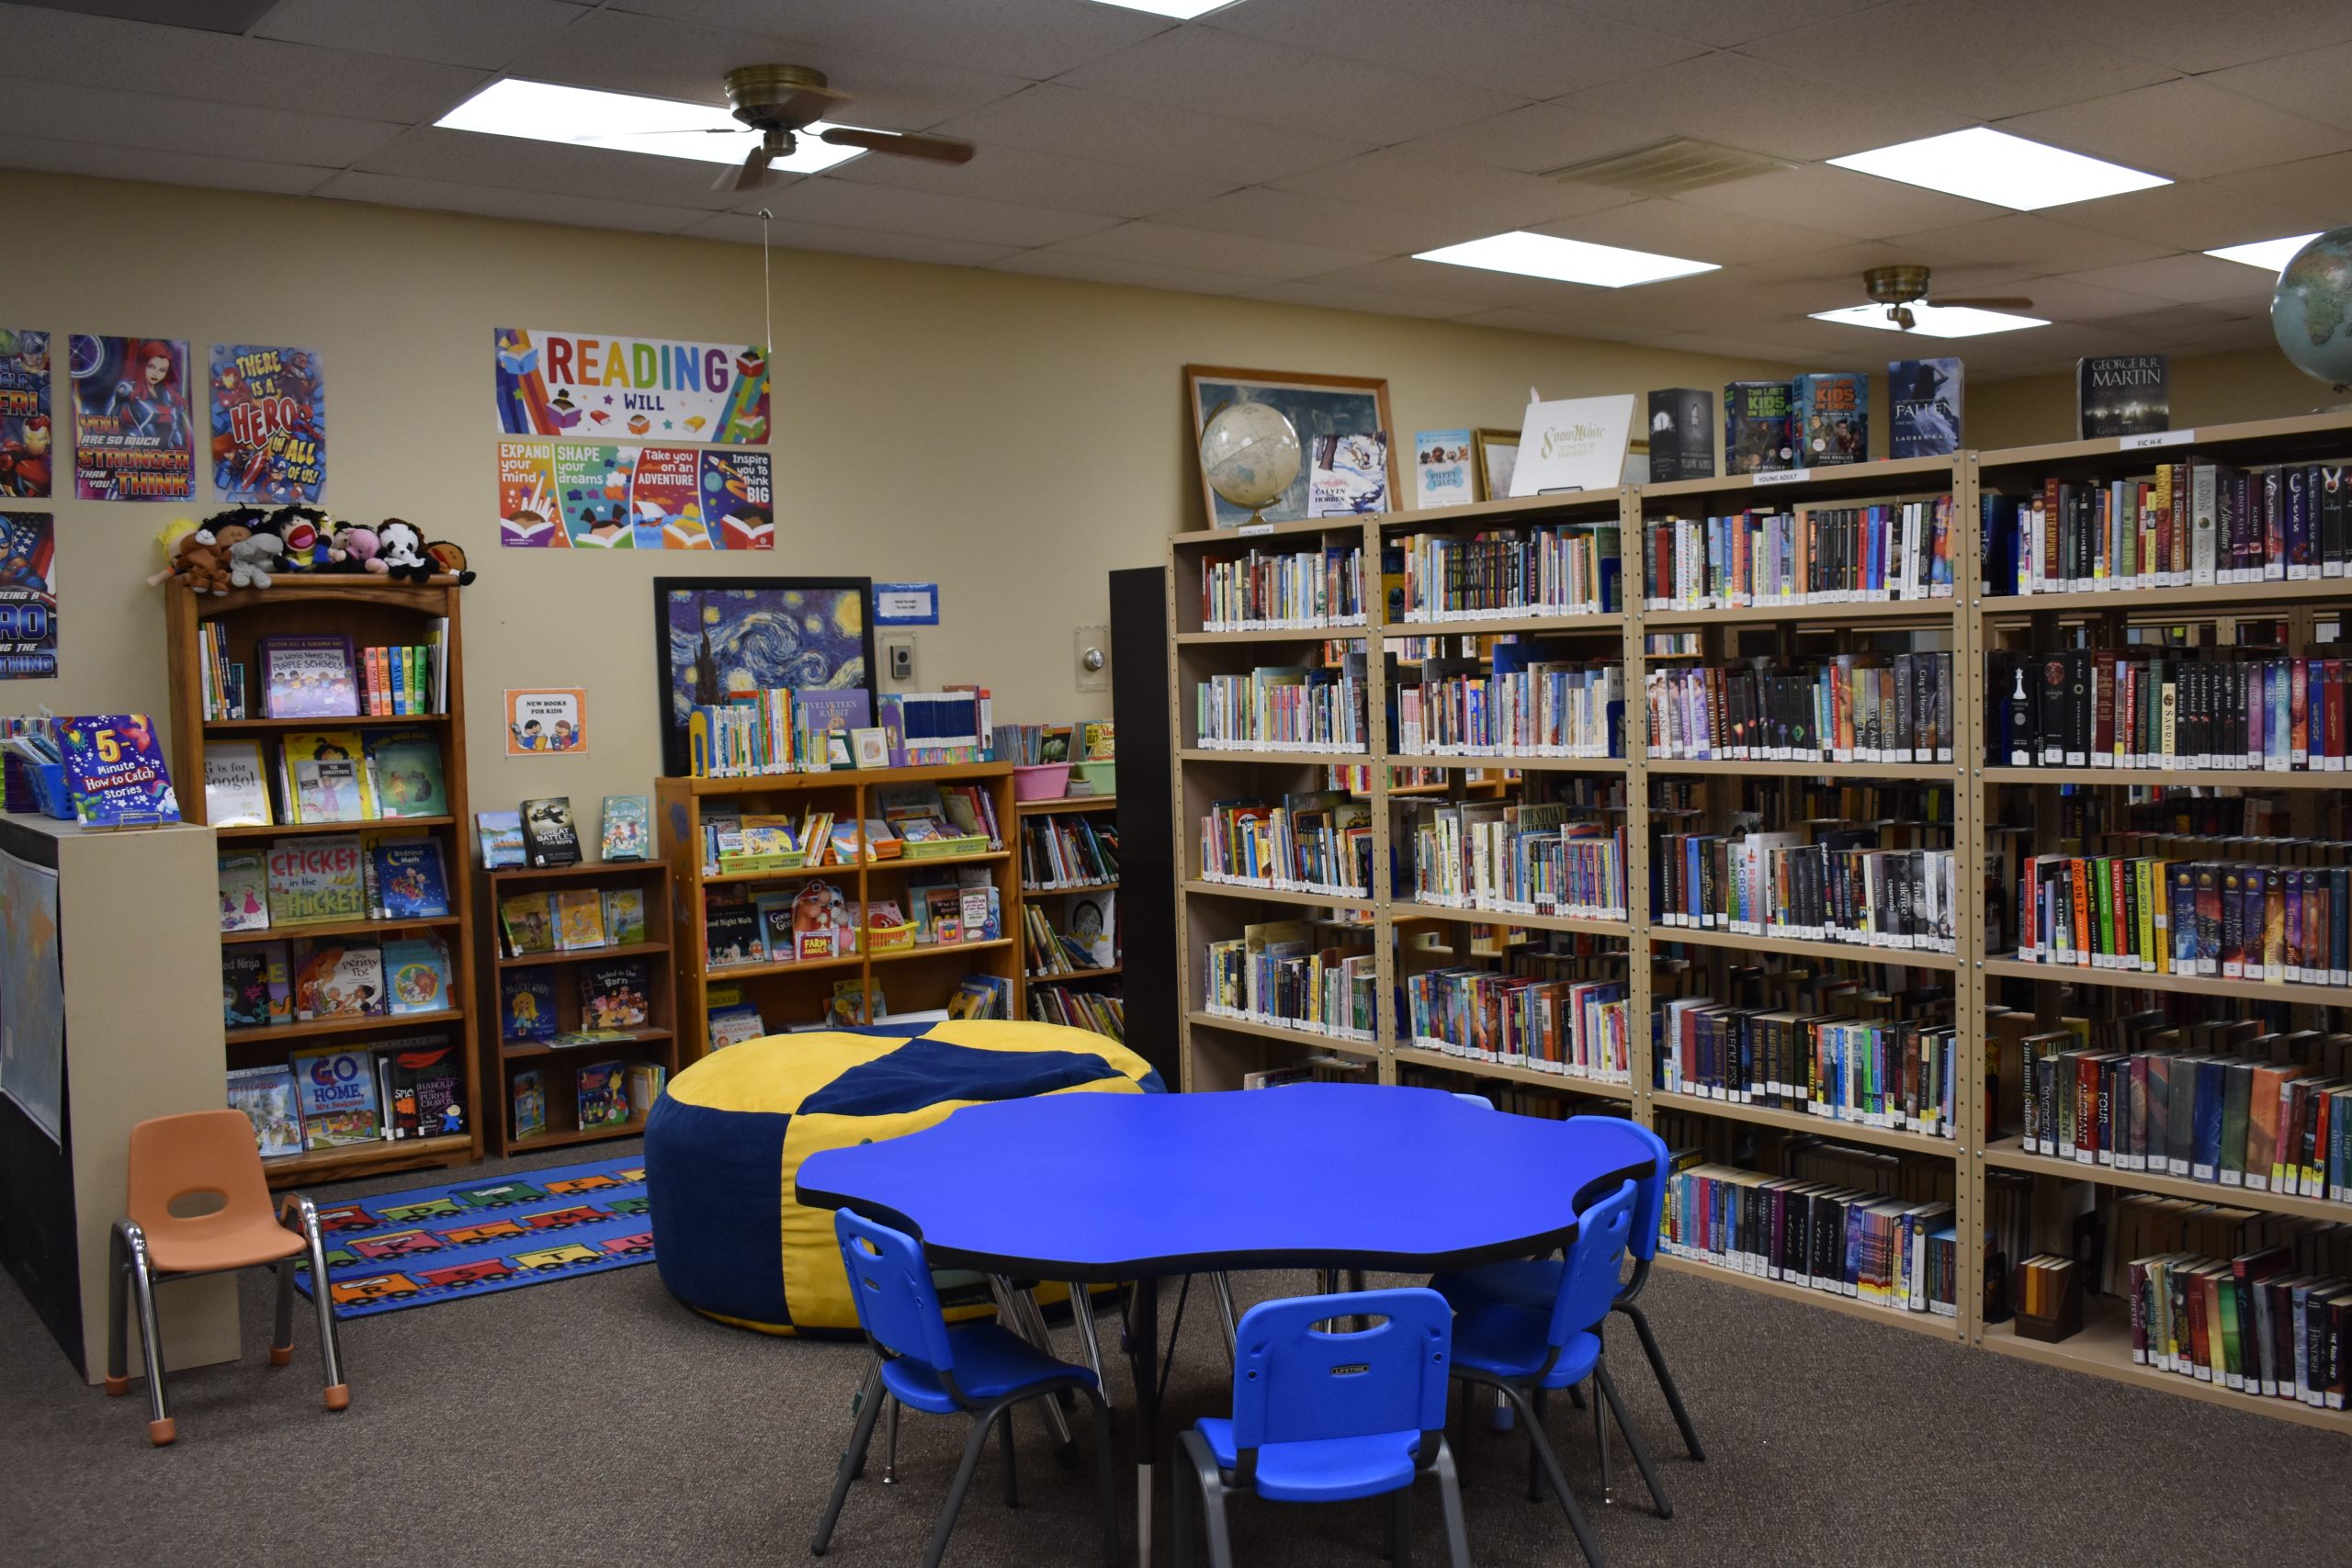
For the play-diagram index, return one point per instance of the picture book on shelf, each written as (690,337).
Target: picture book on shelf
(549,836)
(336,1093)
(500,835)
(731,928)
(603,1094)
(417,976)
(579,919)
(236,791)
(627,834)
(528,919)
(244,987)
(244,892)
(423,1086)
(613,994)
(735,1023)
(308,677)
(266,1096)
(411,882)
(527,1004)
(333,980)
(114,772)
(328,776)
(624,915)
(1927,395)
(1087,922)
(530,1102)
(315,880)
(646,1080)
(981,995)
(405,766)
(277,971)
(854,1002)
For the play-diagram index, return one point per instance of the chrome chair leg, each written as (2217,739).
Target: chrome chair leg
(1227,1318)
(1658,1499)
(889,1440)
(161,1428)
(305,1220)
(1081,1311)
(1030,1325)
(1600,1441)
(1449,1493)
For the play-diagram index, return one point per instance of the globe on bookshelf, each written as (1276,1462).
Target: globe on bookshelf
(2311,312)
(1250,454)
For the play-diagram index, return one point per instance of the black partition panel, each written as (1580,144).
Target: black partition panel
(1139,675)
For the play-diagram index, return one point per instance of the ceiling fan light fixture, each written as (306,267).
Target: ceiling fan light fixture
(1930,321)
(624,122)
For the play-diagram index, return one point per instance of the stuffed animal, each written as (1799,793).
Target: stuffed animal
(450,559)
(195,559)
(248,538)
(304,530)
(168,541)
(401,548)
(355,547)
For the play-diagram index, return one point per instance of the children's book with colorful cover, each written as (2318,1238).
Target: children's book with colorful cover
(336,1093)
(645,1084)
(308,677)
(733,1025)
(411,882)
(417,976)
(328,773)
(244,987)
(527,1004)
(528,919)
(316,879)
(277,971)
(1086,919)
(603,1095)
(613,994)
(624,915)
(423,1084)
(731,928)
(115,772)
(549,836)
(404,767)
(530,1102)
(627,835)
(981,995)
(579,919)
(236,791)
(335,980)
(244,892)
(266,1096)
(501,834)
(856,1002)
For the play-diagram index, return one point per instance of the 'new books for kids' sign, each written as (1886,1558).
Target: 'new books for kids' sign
(115,772)
(595,386)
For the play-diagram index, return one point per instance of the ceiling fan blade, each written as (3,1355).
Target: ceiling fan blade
(938,149)
(692,131)
(750,176)
(1984,302)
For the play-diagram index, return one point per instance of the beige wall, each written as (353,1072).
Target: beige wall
(2215,390)
(1009,437)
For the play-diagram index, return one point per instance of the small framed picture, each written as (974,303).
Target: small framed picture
(872,748)
(1498,455)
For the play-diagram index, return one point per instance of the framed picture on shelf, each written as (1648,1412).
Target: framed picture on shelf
(1498,458)
(1315,405)
(714,635)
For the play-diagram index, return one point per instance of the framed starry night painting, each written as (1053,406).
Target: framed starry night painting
(718,635)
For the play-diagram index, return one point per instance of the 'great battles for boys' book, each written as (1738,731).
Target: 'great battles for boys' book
(316,879)
(1756,427)
(336,1093)
(411,882)
(115,773)
(308,677)
(2124,394)
(1683,435)
(266,1096)
(526,1005)
(1927,398)
(548,836)
(244,893)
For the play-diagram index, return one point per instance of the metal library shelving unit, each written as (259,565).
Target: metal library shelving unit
(371,612)
(1218,1051)
(1099,808)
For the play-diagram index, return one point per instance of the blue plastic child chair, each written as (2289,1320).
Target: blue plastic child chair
(1323,1416)
(975,1368)
(1524,1352)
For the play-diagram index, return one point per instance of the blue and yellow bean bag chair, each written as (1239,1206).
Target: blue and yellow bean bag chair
(724,1145)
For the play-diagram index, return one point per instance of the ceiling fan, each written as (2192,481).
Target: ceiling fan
(781,101)
(1900,288)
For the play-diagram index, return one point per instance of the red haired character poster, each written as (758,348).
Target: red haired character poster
(132,437)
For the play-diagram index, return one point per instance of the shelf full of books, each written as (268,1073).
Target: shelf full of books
(1934,851)
(325,719)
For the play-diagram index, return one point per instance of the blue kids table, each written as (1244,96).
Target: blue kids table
(1101,1189)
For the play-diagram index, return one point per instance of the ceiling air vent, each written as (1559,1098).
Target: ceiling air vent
(1670,168)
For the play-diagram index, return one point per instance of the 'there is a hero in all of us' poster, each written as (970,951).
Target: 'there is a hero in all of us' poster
(269,425)
(133,438)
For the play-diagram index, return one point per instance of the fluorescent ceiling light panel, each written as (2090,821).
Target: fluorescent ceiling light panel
(2270,256)
(1570,260)
(1933,320)
(1183,10)
(622,122)
(1983,164)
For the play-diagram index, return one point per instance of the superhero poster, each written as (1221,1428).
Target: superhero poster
(269,426)
(26,434)
(27,596)
(133,437)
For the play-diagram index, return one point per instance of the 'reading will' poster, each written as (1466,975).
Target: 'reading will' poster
(269,425)
(133,438)
(599,387)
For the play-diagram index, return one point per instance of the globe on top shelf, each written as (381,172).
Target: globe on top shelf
(2311,312)
(1250,454)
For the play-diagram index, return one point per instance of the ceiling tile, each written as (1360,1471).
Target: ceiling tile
(2188,217)
(2223,337)
(625,53)
(1840,262)
(2065,298)
(210,16)
(163,166)
(2190,280)
(1840,202)
(452,32)
(2195,35)
(2027,243)
(2321,186)
(1161,245)
(1711,21)
(2309,82)
(1697,234)
(1493,199)
(1314,292)
(1957,55)
(1318,221)
(846,205)
(1031,38)
(555,168)
(2180,318)
(1054,119)
(1535,48)
(529,207)
(1535,139)
(99,52)
(228,131)
(1744,103)
(2183,129)
(1004,173)
(1267,83)
(1435,280)
(1131,274)
(743,229)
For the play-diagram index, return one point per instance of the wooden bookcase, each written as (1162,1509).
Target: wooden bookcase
(371,612)
(791,993)
(1216,1052)
(1101,807)
(655,1041)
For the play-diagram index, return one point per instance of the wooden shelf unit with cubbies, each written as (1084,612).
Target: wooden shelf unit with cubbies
(1217,1051)
(788,993)
(371,612)
(654,1040)
(1106,977)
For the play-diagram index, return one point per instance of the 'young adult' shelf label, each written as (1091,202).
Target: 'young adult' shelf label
(1781,476)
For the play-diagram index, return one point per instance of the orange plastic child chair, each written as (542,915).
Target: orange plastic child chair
(208,1154)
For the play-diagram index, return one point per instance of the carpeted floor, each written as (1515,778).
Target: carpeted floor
(597,1422)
